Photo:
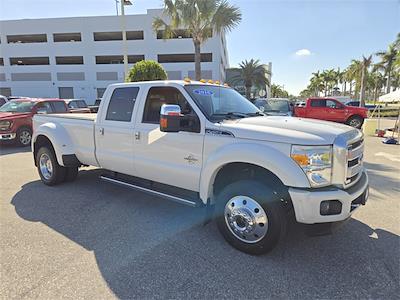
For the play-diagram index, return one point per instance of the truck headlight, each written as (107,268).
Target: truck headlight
(4,125)
(316,162)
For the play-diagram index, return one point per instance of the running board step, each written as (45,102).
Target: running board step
(192,203)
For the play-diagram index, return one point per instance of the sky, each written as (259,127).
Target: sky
(298,36)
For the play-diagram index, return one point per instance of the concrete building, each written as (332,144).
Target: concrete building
(78,57)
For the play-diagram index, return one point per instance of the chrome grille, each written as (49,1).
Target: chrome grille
(354,165)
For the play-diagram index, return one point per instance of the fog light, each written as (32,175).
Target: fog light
(330,207)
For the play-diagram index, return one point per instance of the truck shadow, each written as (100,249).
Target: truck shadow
(151,248)
(9,148)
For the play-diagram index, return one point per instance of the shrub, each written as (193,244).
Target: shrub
(146,70)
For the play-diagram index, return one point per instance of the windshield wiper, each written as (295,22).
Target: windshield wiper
(231,115)
(254,114)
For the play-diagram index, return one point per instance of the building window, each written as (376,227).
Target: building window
(67,37)
(183,58)
(117,35)
(26,38)
(1,61)
(100,92)
(5,91)
(179,34)
(66,92)
(117,59)
(27,61)
(69,60)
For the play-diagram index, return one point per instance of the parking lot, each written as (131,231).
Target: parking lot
(90,239)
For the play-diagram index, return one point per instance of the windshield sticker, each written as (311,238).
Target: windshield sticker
(203,92)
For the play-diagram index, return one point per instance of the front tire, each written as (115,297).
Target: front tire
(24,136)
(250,216)
(50,172)
(355,121)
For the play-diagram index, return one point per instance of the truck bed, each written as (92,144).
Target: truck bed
(77,116)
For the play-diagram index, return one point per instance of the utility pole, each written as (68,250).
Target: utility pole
(125,45)
(116,6)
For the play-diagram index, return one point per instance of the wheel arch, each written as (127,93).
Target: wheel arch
(57,137)
(262,161)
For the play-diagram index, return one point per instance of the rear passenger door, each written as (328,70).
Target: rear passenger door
(317,109)
(114,132)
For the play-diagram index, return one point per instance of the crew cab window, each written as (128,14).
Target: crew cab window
(332,104)
(59,107)
(318,103)
(158,96)
(121,104)
(44,107)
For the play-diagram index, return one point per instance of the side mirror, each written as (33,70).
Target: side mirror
(170,118)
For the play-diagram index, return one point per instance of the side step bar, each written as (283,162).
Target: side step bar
(149,191)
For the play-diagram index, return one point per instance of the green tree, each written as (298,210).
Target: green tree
(366,62)
(146,70)
(251,73)
(387,63)
(200,19)
(278,91)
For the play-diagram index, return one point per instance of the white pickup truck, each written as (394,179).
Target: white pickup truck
(205,145)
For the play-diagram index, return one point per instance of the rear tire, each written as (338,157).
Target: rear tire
(24,136)
(355,121)
(50,172)
(250,216)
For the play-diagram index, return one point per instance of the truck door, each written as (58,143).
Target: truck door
(334,111)
(114,131)
(316,109)
(173,158)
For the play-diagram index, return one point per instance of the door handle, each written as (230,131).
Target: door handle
(102,131)
(137,135)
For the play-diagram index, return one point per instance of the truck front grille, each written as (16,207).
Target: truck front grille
(354,166)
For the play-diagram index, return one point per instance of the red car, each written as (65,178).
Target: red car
(332,110)
(16,117)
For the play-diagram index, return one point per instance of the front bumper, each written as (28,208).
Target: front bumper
(307,203)
(7,136)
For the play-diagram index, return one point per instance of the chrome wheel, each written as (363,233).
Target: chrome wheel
(46,166)
(246,219)
(355,123)
(25,137)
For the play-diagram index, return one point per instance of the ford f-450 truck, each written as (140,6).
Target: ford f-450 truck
(205,145)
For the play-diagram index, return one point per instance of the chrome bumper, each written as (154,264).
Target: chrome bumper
(307,203)
(7,136)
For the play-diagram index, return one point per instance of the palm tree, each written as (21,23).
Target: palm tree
(366,62)
(278,91)
(387,62)
(200,18)
(354,75)
(316,83)
(251,73)
(328,79)
(377,82)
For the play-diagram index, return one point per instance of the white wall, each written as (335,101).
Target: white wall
(150,46)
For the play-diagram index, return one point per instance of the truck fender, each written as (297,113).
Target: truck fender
(266,157)
(58,137)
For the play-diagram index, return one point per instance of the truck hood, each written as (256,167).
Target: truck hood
(12,116)
(287,130)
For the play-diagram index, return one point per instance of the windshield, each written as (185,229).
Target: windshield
(218,102)
(17,106)
(273,106)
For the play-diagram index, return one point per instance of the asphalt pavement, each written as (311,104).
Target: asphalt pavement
(90,239)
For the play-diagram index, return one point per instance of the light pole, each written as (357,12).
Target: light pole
(125,46)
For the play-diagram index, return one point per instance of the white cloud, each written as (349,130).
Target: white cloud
(303,52)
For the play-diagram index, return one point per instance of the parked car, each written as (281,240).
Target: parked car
(16,117)
(206,145)
(94,108)
(77,106)
(357,104)
(274,107)
(332,110)
(3,100)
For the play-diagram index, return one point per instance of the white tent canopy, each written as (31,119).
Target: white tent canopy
(391,97)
